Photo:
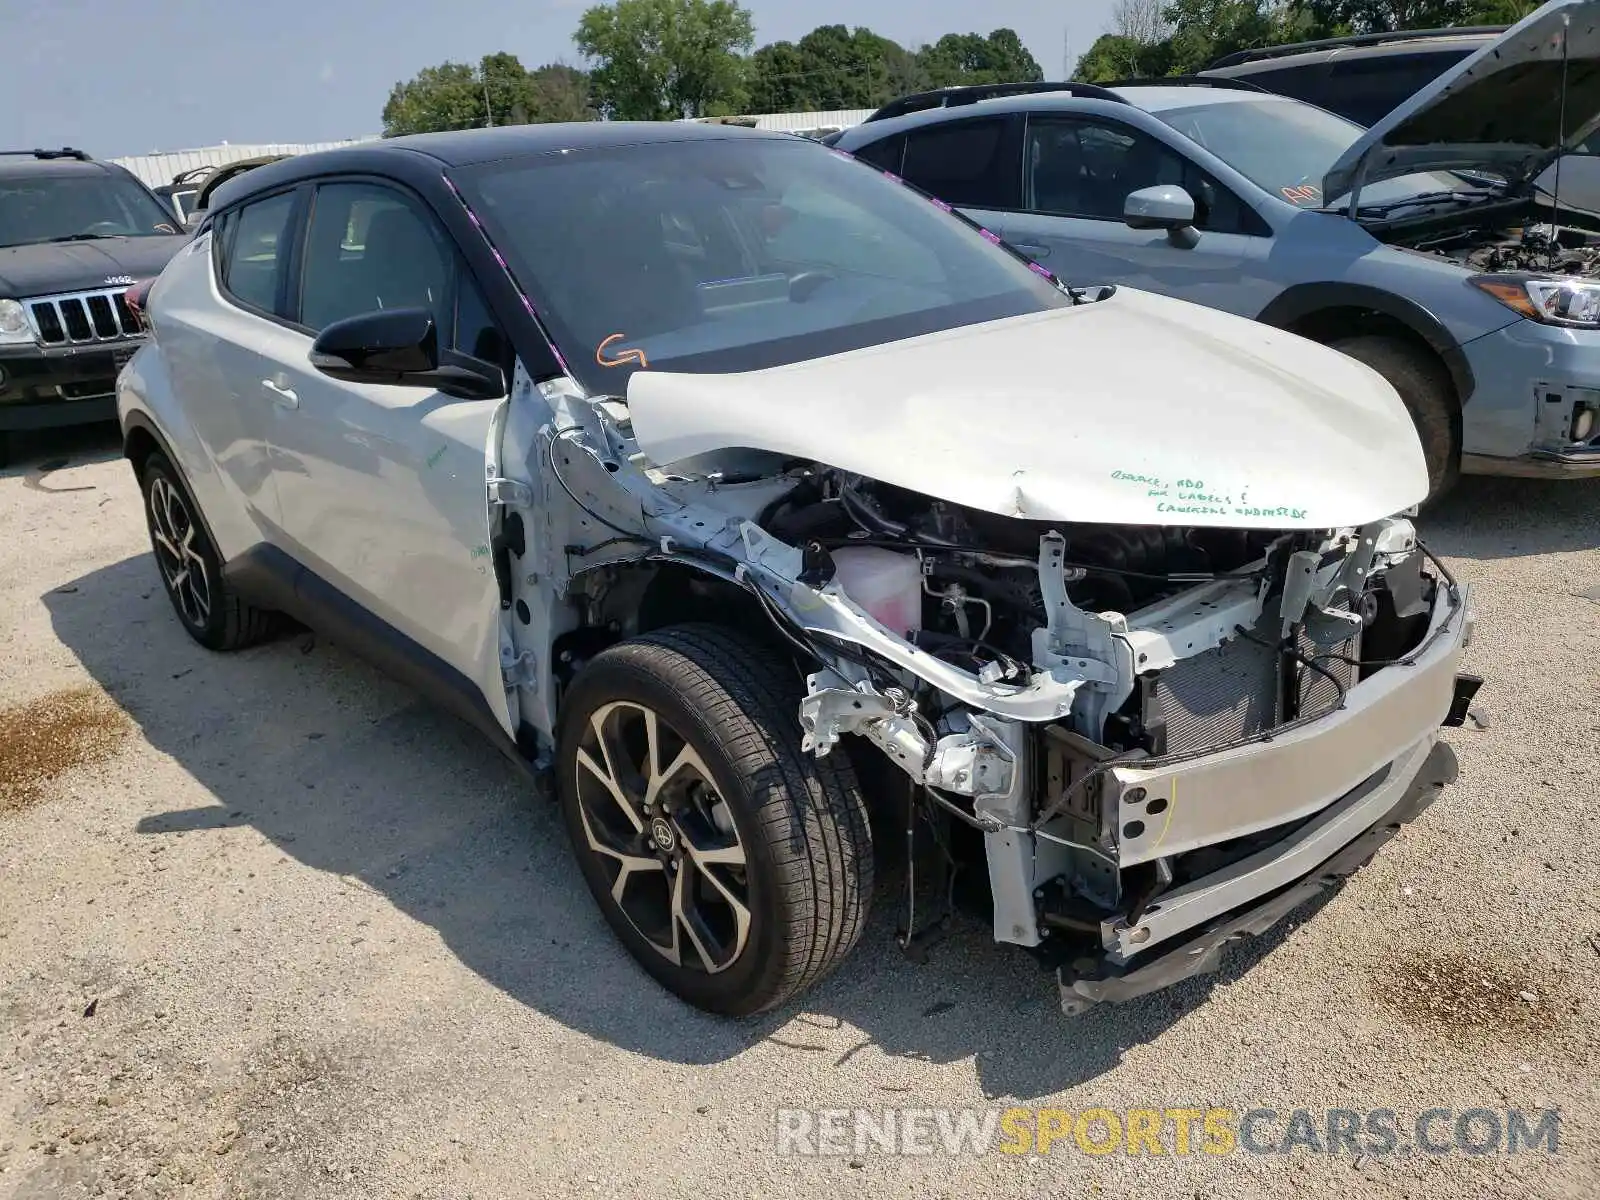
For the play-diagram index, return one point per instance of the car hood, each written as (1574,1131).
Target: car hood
(1136,409)
(51,268)
(1498,109)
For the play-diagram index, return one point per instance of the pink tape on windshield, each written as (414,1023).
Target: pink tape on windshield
(561,359)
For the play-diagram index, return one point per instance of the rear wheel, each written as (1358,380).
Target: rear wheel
(1425,388)
(736,868)
(191,571)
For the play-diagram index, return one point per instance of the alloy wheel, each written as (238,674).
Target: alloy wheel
(656,821)
(173,532)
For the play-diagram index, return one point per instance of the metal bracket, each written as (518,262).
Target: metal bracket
(509,493)
(519,671)
(971,764)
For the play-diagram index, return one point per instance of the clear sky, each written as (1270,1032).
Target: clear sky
(116,78)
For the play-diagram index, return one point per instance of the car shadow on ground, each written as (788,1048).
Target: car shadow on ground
(1488,517)
(33,454)
(348,773)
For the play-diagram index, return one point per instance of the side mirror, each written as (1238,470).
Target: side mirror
(1165,206)
(400,347)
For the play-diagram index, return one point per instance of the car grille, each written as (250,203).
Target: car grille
(83,318)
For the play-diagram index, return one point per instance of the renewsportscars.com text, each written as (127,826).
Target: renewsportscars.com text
(858,1132)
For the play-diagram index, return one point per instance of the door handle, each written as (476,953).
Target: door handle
(1032,249)
(282,395)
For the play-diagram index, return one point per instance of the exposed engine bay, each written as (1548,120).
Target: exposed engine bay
(1032,694)
(964,584)
(1549,249)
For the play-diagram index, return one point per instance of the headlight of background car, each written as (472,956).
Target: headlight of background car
(1551,300)
(13,324)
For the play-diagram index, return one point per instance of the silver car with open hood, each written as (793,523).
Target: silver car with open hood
(746,496)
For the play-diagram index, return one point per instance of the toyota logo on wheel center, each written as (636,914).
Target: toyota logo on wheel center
(666,838)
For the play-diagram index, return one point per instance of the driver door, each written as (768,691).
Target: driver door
(381,488)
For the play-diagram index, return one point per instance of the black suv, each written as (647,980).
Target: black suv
(74,236)
(1362,78)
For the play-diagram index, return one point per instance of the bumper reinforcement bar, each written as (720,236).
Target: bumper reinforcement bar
(1098,980)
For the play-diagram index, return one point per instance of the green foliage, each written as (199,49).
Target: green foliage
(1201,31)
(959,58)
(1116,56)
(836,67)
(1379,16)
(662,59)
(458,96)
(657,60)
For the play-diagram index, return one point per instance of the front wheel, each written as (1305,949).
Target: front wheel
(1426,391)
(736,868)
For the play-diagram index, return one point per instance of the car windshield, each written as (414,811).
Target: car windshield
(51,208)
(1287,148)
(735,254)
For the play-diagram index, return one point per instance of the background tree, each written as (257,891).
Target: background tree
(961,58)
(458,96)
(1138,44)
(832,67)
(657,60)
(1197,32)
(563,93)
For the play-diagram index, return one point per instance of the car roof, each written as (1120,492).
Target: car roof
(1156,97)
(1416,42)
(469,147)
(24,167)
(1153,97)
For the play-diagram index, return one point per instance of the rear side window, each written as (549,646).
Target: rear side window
(1359,87)
(256,251)
(977,163)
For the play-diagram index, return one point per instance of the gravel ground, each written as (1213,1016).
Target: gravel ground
(271,927)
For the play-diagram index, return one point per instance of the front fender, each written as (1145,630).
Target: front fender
(147,408)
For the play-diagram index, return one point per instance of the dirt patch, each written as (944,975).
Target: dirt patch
(52,735)
(1462,994)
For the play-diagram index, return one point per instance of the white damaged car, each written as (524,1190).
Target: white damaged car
(747,494)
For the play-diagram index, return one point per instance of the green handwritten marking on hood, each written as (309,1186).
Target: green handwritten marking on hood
(433,459)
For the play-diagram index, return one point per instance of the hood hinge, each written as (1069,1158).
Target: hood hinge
(510,493)
(519,670)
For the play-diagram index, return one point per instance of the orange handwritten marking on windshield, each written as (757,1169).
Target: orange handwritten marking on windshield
(623,356)
(1301,194)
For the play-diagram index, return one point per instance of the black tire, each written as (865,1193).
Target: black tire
(190,569)
(801,822)
(5,448)
(1424,385)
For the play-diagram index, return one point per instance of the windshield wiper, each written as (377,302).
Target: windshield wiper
(80,237)
(1462,195)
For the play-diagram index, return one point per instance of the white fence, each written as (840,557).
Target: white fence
(158,169)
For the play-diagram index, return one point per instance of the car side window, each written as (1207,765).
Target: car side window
(884,155)
(1088,168)
(370,247)
(971,163)
(256,251)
